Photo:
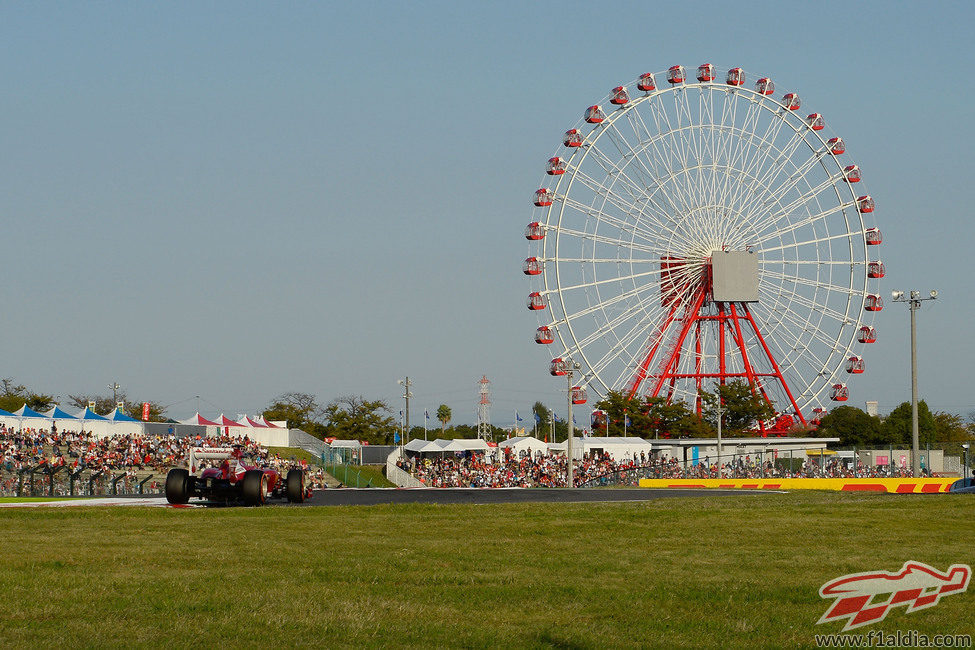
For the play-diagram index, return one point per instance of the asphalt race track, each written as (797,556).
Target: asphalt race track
(377,496)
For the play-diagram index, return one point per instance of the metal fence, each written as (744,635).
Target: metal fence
(45,481)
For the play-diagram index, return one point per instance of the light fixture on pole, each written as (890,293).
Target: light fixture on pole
(914,301)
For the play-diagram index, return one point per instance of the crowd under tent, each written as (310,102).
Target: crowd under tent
(259,429)
(691,451)
(441,446)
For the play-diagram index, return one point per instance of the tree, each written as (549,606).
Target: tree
(951,431)
(300,410)
(897,428)
(542,416)
(742,407)
(13,396)
(649,417)
(443,414)
(854,427)
(356,418)
(133,408)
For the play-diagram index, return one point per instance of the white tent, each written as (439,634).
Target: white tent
(619,449)
(419,446)
(440,445)
(527,444)
(472,444)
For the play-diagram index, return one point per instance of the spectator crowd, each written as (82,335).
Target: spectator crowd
(478,470)
(46,450)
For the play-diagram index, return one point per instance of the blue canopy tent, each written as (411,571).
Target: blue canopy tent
(7,413)
(57,413)
(88,414)
(26,412)
(118,416)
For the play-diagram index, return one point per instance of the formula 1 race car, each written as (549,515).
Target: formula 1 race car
(233,481)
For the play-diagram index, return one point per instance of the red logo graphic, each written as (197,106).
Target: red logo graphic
(916,585)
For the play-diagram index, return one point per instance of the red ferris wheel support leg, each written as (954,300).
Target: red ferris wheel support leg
(775,366)
(641,372)
(749,370)
(670,366)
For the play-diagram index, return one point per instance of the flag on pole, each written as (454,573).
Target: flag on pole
(573,418)
(426,414)
(396,437)
(537,419)
(517,417)
(626,419)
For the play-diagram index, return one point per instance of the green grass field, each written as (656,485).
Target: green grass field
(686,572)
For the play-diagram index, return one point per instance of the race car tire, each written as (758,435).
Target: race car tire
(178,486)
(295,486)
(253,488)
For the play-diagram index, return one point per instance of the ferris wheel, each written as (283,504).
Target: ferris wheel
(691,232)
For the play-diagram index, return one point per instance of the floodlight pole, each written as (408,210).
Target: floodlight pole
(568,441)
(914,303)
(406,383)
(965,446)
(719,433)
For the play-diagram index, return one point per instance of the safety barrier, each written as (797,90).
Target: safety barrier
(45,481)
(891,485)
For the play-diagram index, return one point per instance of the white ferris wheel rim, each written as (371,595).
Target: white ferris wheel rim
(645,210)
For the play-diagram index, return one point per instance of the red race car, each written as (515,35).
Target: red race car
(233,481)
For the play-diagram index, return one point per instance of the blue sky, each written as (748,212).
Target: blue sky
(234,200)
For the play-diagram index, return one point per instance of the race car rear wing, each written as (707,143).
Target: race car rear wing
(208,453)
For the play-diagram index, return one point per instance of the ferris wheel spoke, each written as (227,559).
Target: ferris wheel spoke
(763,262)
(805,323)
(602,305)
(664,147)
(627,339)
(846,291)
(634,211)
(805,222)
(774,166)
(637,189)
(601,239)
(640,159)
(689,146)
(763,166)
(668,140)
(823,309)
(800,350)
(609,220)
(764,214)
(619,279)
(630,261)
